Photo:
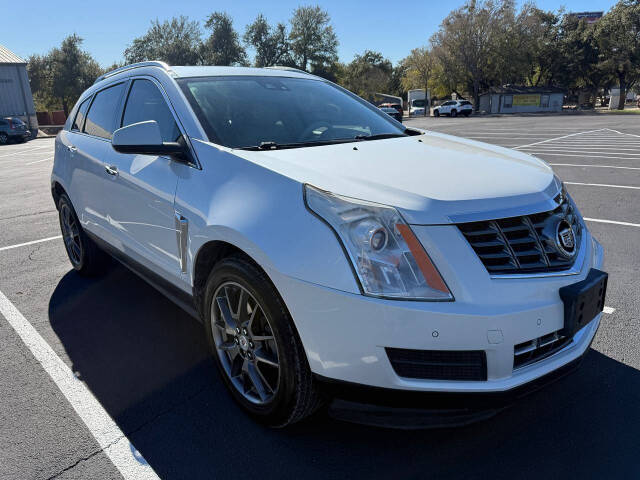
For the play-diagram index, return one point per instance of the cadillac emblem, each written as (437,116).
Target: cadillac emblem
(565,239)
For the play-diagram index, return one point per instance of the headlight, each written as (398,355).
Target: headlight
(386,255)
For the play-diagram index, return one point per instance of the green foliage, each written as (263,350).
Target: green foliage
(270,43)
(59,77)
(312,38)
(618,38)
(367,74)
(176,41)
(222,47)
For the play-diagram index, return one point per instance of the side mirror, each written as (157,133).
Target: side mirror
(145,138)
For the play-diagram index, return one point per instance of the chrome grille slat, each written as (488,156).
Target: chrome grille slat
(517,244)
(538,349)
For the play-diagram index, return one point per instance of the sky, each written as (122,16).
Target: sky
(107,27)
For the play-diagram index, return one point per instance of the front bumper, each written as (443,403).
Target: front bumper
(345,335)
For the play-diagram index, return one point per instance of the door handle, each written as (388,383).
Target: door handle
(72,149)
(111,170)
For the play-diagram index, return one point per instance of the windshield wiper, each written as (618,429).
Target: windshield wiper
(281,146)
(379,136)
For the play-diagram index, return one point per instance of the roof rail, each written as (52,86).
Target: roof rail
(289,69)
(153,63)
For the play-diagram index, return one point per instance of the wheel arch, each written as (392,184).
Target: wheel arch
(208,255)
(57,190)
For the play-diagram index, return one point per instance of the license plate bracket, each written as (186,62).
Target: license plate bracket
(583,301)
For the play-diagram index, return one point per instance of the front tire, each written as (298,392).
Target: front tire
(454,113)
(85,256)
(4,138)
(436,113)
(255,345)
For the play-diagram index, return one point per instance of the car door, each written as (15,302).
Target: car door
(144,187)
(90,152)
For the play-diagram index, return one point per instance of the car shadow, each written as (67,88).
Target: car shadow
(147,362)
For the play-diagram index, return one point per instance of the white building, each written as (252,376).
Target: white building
(514,99)
(16,99)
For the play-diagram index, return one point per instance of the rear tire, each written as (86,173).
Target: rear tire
(467,113)
(255,346)
(85,256)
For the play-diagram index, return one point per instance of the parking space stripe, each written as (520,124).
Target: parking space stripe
(574,150)
(13,154)
(608,310)
(578,149)
(559,138)
(39,161)
(592,166)
(539,152)
(111,440)
(10,247)
(614,222)
(602,185)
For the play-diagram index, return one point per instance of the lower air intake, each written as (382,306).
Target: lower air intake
(467,365)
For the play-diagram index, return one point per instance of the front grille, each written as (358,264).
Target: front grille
(439,364)
(522,244)
(535,350)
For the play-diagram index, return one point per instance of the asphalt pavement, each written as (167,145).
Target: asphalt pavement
(145,363)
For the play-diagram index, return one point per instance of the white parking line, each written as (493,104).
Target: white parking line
(111,440)
(39,161)
(602,185)
(559,138)
(592,166)
(538,152)
(9,247)
(587,148)
(20,152)
(613,222)
(544,149)
(608,310)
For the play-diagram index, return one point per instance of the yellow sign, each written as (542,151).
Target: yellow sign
(526,100)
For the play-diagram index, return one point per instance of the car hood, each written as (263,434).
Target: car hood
(431,178)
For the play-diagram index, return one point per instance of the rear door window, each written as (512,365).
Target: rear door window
(102,112)
(81,114)
(145,102)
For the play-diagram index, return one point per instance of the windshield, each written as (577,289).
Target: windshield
(250,112)
(418,103)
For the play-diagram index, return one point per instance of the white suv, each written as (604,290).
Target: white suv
(328,250)
(453,108)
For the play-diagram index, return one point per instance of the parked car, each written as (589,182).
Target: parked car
(392,112)
(396,106)
(13,129)
(453,108)
(329,251)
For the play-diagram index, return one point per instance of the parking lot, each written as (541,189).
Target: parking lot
(144,391)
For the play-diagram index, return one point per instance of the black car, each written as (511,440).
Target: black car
(12,128)
(392,112)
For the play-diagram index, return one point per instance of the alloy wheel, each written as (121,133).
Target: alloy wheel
(71,234)
(4,139)
(245,343)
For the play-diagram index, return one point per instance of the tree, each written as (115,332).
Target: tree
(465,39)
(223,45)
(271,43)
(618,38)
(175,41)
(367,74)
(419,70)
(312,38)
(59,77)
